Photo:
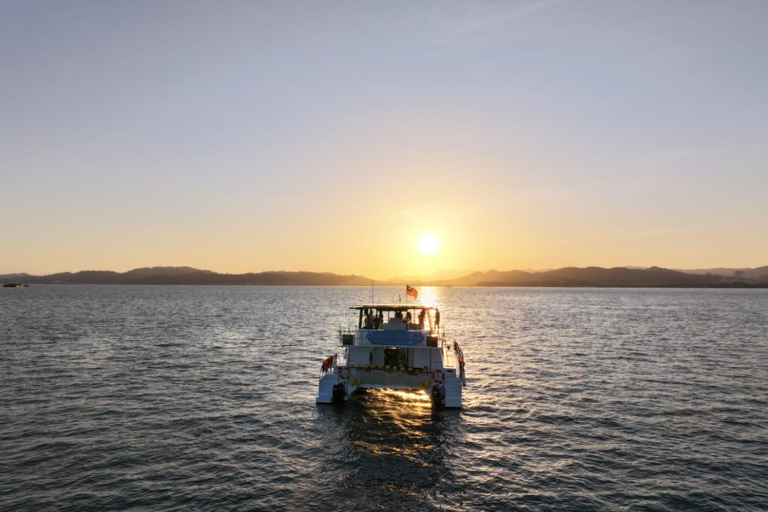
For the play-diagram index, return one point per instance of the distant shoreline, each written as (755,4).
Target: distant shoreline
(731,286)
(568,277)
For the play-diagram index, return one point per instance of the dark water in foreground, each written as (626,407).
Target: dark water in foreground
(202,398)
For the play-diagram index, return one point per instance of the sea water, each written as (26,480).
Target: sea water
(203,398)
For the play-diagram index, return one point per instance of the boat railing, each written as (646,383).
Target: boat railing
(449,357)
(347,334)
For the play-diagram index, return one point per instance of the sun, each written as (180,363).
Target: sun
(429,243)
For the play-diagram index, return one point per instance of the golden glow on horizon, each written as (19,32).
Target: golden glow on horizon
(429,243)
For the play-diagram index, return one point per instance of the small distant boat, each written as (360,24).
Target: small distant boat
(395,347)
(14,285)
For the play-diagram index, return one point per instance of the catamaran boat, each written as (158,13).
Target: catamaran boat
(395,346)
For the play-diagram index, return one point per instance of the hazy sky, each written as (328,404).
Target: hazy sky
(327,136)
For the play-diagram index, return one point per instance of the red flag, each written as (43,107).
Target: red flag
(411,292)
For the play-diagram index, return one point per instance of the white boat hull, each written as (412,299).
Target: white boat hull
(350,379)
(395,354)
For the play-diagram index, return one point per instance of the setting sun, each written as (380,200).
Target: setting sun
(429,243)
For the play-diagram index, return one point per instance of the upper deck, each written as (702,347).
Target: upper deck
(408,325)
(407,317)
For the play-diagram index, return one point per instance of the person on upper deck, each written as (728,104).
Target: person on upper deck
(437,318)
(368,321)
(378,320)
(421,318)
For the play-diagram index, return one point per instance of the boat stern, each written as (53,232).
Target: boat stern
(335,386)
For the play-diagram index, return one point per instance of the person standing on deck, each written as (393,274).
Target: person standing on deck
(368,321)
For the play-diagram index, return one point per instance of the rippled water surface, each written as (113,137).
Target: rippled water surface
(202,398)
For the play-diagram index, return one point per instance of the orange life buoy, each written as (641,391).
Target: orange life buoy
(343,373)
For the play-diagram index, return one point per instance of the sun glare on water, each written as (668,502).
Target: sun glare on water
(429,243)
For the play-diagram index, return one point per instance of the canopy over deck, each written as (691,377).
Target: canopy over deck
(393,307)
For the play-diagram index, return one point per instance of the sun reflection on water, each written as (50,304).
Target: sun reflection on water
(428,296)
(394,423)
(408,398)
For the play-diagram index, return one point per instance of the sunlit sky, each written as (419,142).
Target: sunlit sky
(329,136)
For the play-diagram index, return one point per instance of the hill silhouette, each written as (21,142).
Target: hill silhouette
(563,277)
(728,272)
(189,275)
(600,277)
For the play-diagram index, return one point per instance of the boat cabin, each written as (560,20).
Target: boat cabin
(397,317)
(394,325)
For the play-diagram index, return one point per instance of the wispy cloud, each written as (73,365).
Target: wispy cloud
(472,23)
(483,16)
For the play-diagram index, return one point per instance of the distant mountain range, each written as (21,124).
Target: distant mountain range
(189,275)
(748,272)
(608,277)
(565,277)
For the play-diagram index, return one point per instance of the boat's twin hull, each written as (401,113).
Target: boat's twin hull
(341,382)
(395,354)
